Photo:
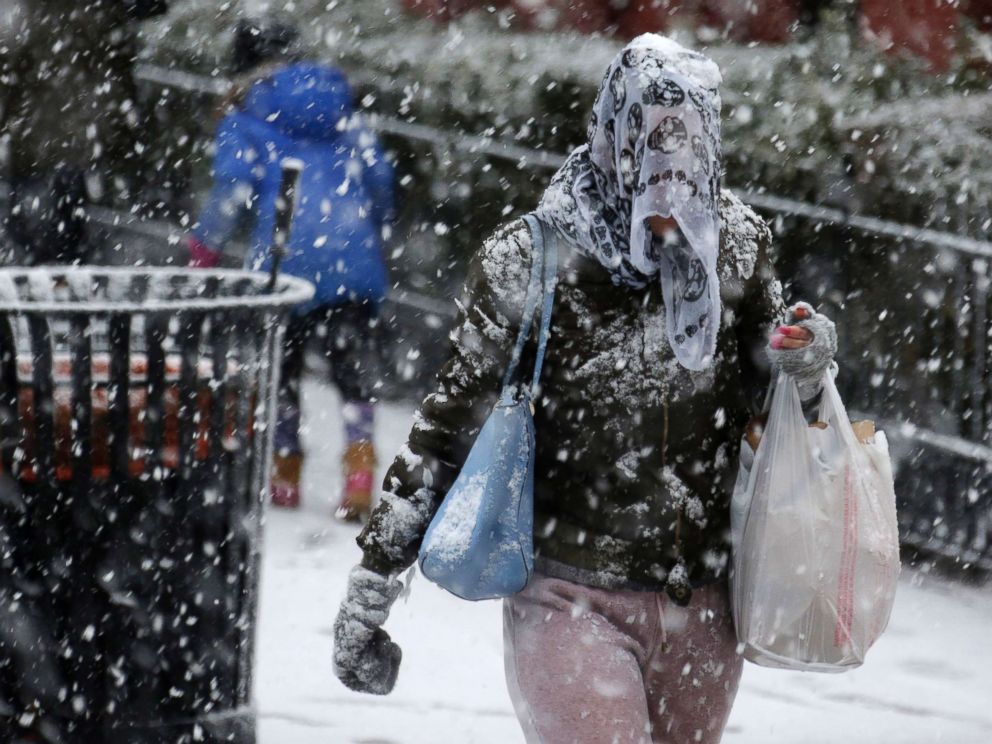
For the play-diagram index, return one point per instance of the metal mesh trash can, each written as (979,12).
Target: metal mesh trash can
(136,408)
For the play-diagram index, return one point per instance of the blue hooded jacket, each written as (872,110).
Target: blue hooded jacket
(345,193)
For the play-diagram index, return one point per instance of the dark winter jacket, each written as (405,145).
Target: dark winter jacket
(67,92)
(345,193)
(636,455)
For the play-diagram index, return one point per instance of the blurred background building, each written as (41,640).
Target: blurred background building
(925,27)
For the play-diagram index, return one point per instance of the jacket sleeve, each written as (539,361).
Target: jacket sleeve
(447,422)
(234,187)
(761,309)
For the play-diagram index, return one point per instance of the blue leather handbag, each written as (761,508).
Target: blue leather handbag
(480,544)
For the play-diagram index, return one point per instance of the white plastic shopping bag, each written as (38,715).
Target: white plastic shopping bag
(816,546)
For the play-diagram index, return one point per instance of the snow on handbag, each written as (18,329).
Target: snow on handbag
(816,545)
(480,544)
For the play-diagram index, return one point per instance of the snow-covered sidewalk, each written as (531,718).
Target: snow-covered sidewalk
(928,680)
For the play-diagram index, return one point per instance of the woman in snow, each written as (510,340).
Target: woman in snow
(657,358)
(284,108)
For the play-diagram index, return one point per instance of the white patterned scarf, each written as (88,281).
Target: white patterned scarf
(653,149)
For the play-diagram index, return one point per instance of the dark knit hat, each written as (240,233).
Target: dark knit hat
(257,42)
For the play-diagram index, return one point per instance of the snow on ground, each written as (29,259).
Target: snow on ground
(929,679)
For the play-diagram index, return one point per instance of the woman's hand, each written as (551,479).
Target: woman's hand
(804,348)
(793,336)
(365,659)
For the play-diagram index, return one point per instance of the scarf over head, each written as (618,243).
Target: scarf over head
(653,149)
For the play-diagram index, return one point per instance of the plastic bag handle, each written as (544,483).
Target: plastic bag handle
(830,399)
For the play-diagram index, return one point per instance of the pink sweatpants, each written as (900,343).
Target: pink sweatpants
(590,666)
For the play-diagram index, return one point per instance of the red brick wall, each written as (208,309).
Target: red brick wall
(766,21)
(927,28)
(643,16)
(585,16)
(923,27)
(981,12)
(442,10)
(749,20)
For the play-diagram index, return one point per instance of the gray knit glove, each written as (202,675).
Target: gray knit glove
(806,366)
(365,659)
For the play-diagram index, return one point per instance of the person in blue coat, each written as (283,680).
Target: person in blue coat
(304,110)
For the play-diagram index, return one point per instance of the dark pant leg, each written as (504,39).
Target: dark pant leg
(47,219)
(299,330)
(353,348)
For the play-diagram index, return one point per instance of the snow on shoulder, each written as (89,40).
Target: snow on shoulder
(743,234)
(505,259)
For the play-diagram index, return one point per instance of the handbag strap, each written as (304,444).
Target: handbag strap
(544,264)
(550,250)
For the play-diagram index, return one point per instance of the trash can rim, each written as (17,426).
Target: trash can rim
(290,290)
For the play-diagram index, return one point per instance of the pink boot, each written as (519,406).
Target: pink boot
(285,484)
(359,474)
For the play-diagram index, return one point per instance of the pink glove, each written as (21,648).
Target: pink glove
(202,256)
